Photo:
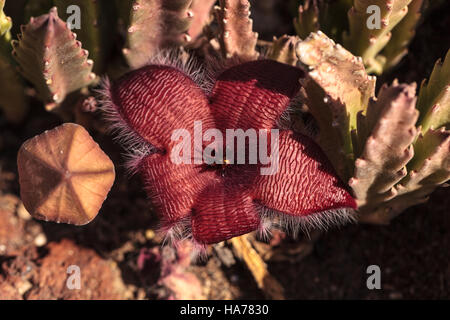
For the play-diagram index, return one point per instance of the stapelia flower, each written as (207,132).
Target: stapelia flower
(212,203)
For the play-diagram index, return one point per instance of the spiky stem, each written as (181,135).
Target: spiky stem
(236,34)
(52,59)
(155,25)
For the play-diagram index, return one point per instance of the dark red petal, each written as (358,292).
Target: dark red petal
(223,211)
(156,100)
(173,188)
(254,94)
(305,182)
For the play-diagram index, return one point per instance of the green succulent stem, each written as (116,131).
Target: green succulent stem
(402,35)
(308,19)
(154,25)
(434,97)
(394,157)
(236,36)
(368,42)
(52,59)
(283,50)
(12,99)
(95,33)
(338,88)
(5,23)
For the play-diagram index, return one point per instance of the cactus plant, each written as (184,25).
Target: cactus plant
(434,98)
(392,148)
(398,157)
(402,34)
(145,15)
(12,100)
(52,59)
(95,19)
(5,22)
(335,101)
(352,146)
(366,42)
(202,11)
(381,45)
(308,18)
(236,36)
(283,50)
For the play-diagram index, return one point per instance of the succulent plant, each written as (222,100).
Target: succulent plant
(434,97)
(402,34)
(391,157)
(236,35)
(214,202)
(308,18)
(392,148)
(283,50)
(64,175)
(12,100)
(96,18)
(381,46)
(52,59)
(5,22)
(142,45)
(203,16)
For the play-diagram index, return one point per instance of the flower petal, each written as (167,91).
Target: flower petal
(156,100)
(304,183)
(172,187)
(223,211)
(253,94)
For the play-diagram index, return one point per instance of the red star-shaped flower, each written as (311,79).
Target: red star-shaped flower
(213,203)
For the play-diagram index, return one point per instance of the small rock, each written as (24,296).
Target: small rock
(40,240)
(22,212)
(225,255)
(149,234)
(23,287)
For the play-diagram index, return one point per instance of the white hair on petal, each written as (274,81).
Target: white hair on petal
(187,64)
(289,119)
(216,66)
(270,218)
(134,157)
(284,122)
(295,105)
(199,252)
(136,147)
(264,230)
(320,220)
(175,233)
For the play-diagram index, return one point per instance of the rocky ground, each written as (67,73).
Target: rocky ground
(120,256)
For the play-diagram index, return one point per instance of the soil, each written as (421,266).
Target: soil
(120,256)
